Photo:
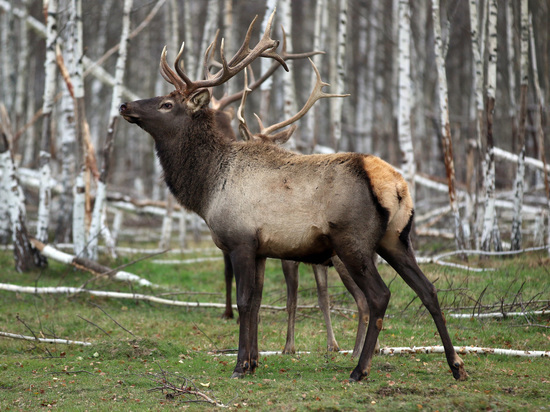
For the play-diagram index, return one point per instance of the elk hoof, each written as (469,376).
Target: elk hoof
(237,375)
(357,375)
(459,373)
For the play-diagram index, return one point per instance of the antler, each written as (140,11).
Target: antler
(266,133)
(245,56)
(220,104)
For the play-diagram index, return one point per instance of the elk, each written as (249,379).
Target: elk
(260,200)
(290,268)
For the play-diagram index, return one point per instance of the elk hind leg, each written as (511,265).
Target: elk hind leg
(362,307)
(290,270)
(397,251)
(321,278)
(364,273)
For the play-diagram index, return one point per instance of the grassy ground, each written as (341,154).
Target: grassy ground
(151,345)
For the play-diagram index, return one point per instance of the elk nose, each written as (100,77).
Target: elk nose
(122,107)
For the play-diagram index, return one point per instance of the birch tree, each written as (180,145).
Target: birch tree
(265,64)
(404,83)
(289,88)
(210,27)
(96,227)
(23,67)
(491,234)
(478,83)
(364,118)
(516,236)
(340,73)
(538,124)
(47,107)
(445,124)
(309,130)
(25,256)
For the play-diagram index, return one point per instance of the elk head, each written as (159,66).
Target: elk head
(163,116)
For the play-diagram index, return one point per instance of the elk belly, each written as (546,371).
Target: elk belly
(309,245)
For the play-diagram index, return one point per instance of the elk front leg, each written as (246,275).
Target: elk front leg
(244,268)
(290,270)
(321,275)
(228,274)
(255,313)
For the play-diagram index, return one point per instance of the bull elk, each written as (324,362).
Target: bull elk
(290,268)
(262,201)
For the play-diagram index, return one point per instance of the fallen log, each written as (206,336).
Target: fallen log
(88,265)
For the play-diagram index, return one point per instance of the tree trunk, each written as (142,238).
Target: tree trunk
(340,73)
(538,124)
(516,236)
(408,164)
(96,228)
(265,87)
(478,80)
(445,125)
(289,87)
(491,234)
(44,156)
(25,256)
(309,134)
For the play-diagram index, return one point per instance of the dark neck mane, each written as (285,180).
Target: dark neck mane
(193,161)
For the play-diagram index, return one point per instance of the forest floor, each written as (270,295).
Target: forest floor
(148,356)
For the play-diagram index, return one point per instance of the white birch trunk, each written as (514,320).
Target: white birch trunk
(210,27)
(24,256)
(404,83)
(478,106)
(190,58)
(490,234)
(6,54)
(23,69)
(364,123)
(337,104)
(166,231)
(182,228)
(445,124)
(265,64)
(79,215)
(44,197)
(309,129)
(516,235)
(538,124)
(96,225)
(67,131)
(289,87)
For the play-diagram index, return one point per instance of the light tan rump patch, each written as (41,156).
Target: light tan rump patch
(391,190)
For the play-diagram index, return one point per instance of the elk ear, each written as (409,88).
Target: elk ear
(198,100)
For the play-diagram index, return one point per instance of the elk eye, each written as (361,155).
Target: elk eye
(167,105)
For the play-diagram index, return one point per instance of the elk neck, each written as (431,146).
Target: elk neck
(194,160)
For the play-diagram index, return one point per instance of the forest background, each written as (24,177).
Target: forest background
(454,93)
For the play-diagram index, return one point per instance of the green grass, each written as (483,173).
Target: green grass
(187,346)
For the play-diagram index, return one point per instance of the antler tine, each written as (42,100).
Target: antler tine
(168,74)
(227,100)
(243,128)
(316,94)
(209,56)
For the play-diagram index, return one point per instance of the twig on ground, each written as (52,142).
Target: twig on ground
(110,317)
(93,324)
(187,388)
(43,340)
